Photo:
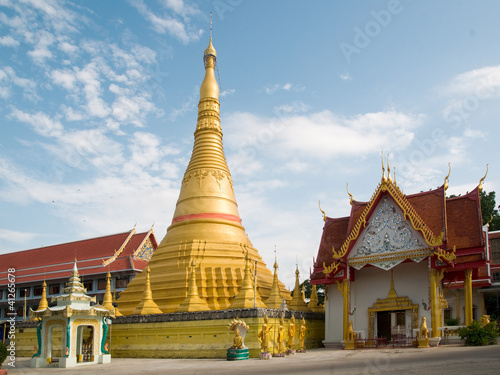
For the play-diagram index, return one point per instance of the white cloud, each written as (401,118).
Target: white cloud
(483,83)
(346,77)
(166,24)
(17,237)
(320,135)
(41,51)
(227,93)
(9,77)
(65,78)
(181,8)
(8,41)
(271,89)
(40,122)
(295,107)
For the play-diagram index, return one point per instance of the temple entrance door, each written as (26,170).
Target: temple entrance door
(384,325)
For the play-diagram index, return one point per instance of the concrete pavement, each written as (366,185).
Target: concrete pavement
(440,361)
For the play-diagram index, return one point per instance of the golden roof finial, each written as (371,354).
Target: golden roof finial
(323,212)
(447,178)
(351,199)
(480,187)
(395,183)
(383,169)
(389,178)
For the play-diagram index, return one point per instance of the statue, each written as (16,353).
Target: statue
(350,336)
(291,333)
(238,340)
(424,332)
(302,334)
(238,350)
(264,335)
(281,334)
(350,332)
(485,319)
(423,339)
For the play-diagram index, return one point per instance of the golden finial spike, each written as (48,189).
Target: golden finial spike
(383,169)
(395,183)
(480,187)
(446,179)
(388,169)
(323,212)
(210,25)
(351,199)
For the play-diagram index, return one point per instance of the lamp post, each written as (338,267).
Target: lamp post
(25,291)
(255,287)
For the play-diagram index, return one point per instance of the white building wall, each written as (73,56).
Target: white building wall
(333,316)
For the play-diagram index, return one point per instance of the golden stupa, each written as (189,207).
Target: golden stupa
(206,231)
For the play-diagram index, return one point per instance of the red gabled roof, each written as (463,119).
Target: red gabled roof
(56,261)
(430,207)
(465,222)
(334,235)
(459,218)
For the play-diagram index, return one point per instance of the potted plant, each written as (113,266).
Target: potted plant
(3,356)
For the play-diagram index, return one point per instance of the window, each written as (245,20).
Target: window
(37,290)
(88,285)
(447,314)
(121,283)
(495,250)
(1,293)
(20,311)
(496,277)
(101,284)
(24,292)
(54,289)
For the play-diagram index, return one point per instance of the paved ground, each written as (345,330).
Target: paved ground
(440,361)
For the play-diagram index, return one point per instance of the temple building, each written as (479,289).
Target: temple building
(123,255)
(206,238)
(399,258)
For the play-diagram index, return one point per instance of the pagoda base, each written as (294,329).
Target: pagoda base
(203,334)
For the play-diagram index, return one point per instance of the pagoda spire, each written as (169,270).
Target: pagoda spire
(193,302)
(297,303)
(147,304)
(247,294)
(43,301)
(274,301)
(314,301)
(107,301)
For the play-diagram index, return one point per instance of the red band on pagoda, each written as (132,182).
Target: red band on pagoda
(206,215)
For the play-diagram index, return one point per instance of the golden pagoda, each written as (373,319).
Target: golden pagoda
(297,302)
(206,226)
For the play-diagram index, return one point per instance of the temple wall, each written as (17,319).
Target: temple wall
(333,317)
(410,280)
(190,335)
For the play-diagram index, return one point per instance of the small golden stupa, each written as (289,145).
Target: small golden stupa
(206,227)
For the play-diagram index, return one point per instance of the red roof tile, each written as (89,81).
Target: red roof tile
(56,261)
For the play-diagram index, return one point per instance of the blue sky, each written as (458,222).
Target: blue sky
(99,105)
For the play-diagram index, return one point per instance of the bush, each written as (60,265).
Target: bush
(477,335)
(3,353)
(452,322)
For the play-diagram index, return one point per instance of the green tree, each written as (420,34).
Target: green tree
(489,210)
(320,291)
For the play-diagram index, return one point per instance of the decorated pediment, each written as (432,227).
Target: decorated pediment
(388,239)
